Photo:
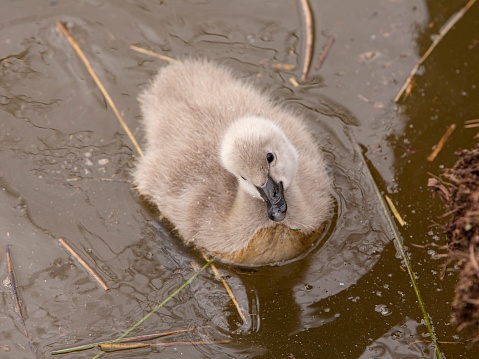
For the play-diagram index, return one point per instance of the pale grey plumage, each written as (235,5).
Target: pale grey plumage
(205,130)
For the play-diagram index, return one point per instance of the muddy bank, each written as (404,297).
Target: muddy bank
(459,190)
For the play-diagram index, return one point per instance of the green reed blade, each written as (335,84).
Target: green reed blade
(402,250)
(156,308)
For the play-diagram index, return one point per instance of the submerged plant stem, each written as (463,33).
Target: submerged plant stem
(13,284)
(325,52)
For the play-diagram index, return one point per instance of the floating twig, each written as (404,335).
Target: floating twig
(394,211)
(61,27)
(137,324)
(324,52)
(18,307)
(228,289)
(152,53)
(308,17)
(436,41)
(111,347)
(85,265)
(441,142)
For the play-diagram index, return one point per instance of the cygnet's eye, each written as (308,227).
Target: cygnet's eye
(269,157)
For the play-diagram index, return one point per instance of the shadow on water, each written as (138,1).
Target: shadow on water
(65,171)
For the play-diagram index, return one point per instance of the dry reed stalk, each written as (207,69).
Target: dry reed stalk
(111,347)
(140,338)
(437,40)
(228,289)
(441,142)
(394,211)
(152,53)
(61,27)
(324,52)
(309,38)
(85,265)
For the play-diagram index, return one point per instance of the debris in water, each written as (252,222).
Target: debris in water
(460,194)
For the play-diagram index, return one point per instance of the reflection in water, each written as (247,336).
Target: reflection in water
(399,342)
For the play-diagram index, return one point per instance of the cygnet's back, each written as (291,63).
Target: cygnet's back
(237,175)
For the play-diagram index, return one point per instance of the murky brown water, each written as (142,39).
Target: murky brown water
(65,169)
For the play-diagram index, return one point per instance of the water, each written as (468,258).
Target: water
(65,168)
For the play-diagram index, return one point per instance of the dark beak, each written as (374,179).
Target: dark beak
(273,196)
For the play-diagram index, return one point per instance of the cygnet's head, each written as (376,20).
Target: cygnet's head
(258,153)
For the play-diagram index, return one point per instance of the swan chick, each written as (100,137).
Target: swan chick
(236,174)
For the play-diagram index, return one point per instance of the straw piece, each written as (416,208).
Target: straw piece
(436,41)
(309,38)
(89,269)
(324,52)
(228,289)
(441,142)
(283,67)
(119,346)
(394,210)
(152,53)
(61,27)
(293,82)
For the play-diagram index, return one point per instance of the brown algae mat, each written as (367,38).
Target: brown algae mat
(458,188)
